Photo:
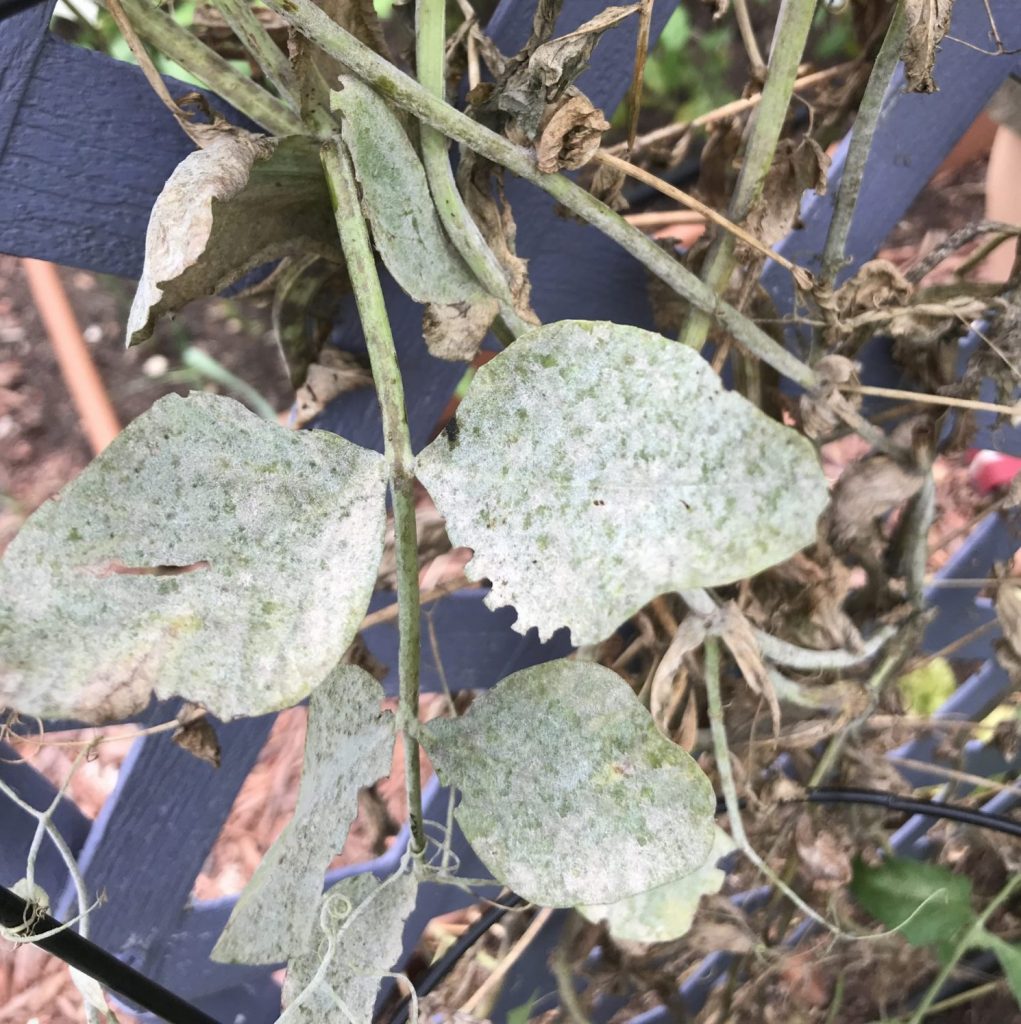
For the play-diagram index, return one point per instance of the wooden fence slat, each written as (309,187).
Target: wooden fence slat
(88,154)
(915,133)
(19,826)
(22,37)
(156,829)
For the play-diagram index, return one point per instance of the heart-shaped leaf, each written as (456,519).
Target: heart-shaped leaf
(668,911)
(206,554)
(361,942)
(240,202)
(406,228)
(349,744)
(570,794)
(593,466)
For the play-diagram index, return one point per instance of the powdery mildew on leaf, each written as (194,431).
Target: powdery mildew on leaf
(367,942)
(240,202)
(205,554)
(406,228)
(349,744)
(595,466)
(570,794)
(668,911)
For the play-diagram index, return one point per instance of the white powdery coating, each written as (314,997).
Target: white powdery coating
(368,943)
(570,794)
(289,527)
(349,744)
(668,911)
(594,466)
(396,200)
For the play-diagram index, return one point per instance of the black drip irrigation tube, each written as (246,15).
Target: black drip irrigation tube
(19,916)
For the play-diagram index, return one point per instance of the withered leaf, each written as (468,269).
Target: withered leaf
(1008,611)
(927,24)
(481,185)
(550,69)
(823,861)
(199,738)
(571,135)
(797,167)
(607,184)
(333,373)
(240,202)
(818,415)
(297,300)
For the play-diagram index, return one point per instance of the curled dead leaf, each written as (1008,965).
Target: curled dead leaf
(927,24)
(334,373)
(607,184)
(570,136)
(199,739)
(529,85)
(818,416)
(797,167)
(455,331)
(240,202)
(823,862)
(481,185)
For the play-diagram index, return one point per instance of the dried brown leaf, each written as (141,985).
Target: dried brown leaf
(737,634)
(928,21)
(1008,612)
(689,636)
(240,202)
(481,185)
(606,186)
(455,331)
(818,416)
(331,375)
(199,739)
(823,862)
(571,135)
(797,167)
(529,86)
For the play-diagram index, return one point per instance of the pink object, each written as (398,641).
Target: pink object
(989,471)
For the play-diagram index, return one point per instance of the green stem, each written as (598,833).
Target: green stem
(966,941)
(764,128)
(861,144)
(430,43)
(257,41)
(407,94)
(180,45)
(361,268)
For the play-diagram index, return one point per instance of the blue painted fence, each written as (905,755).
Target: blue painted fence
(85,149)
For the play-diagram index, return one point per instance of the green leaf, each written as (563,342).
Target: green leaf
(895,890)
(349,744)
(406,228)
(1009,955)
(924,689)
(668,911)
(240,202)
(594,466)
(205,554)
(359,948)
(570,794)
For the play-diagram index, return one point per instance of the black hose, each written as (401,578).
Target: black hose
(97,963)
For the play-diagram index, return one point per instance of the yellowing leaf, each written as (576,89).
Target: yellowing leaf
(668,911)
(570,794)
(925,688)
(242,201)
(205,554)
(594,466)
(348,745)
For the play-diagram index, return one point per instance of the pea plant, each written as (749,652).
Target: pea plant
(212,556)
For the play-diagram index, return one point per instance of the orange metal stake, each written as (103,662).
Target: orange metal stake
(98,419)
